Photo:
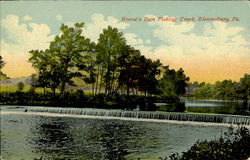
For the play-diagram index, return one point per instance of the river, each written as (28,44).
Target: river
(26,136)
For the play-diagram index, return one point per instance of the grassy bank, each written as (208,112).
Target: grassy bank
(10,95)
(14,89)
(80,99)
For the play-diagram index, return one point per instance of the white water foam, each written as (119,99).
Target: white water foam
(119,118)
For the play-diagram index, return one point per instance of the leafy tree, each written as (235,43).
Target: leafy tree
(109,48)
(202,84)
(68,50)
(20,86)
(244,88)
(62,61)
(225,89)
(41,60)
(2,64)
(243,92)
(149,70)
(129,68)
(90,68)
(172,82)
(205,91)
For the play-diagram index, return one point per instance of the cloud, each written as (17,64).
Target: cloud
(95,28)
(132,39)
(18,41)
(148,41)
(59,17)
(38,37)
(219,52)
(27,18)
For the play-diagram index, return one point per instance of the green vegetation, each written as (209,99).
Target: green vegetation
(13,89)
(110,64)
(79,99)
(172,83)
(20,86)
(225,90)
(2,64)
(111,68)
(233,145)
(118,75)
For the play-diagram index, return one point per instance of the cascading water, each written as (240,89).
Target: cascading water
(215,118)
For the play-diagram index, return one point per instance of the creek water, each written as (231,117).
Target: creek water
(27,135)
(210,103)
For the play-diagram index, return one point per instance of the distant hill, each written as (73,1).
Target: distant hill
(27,82)
(14,81)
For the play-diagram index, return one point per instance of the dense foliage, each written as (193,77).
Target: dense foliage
(20,86)
(235,145)
(225,90)
(2,64)
(110,65)
(79,99)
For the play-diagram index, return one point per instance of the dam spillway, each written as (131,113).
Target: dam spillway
(212,118)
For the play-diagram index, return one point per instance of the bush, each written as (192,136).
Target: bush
(20,86)
(235,145)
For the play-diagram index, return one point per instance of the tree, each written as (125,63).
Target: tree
(41,60)
(69,49)
(90,68)
(128,68)
(243,91)
(225,89)
(205,91)
(2,64)
(172,82)
(147,75)
(109,49)
(63,60)
(20,86)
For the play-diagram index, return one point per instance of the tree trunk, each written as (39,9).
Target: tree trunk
(113,77)
(44,90)
(97,77)
(108,74)
(93,88)
(62,88)
(54,91)
(101,80)
(128,89)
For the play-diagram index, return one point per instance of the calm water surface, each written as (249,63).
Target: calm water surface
(27,137)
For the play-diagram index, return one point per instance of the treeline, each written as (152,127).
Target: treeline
(79,99)
(110,66)
(225,90)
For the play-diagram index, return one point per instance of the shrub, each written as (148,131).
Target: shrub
(20,86)
(235,145)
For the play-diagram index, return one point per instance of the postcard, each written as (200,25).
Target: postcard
(116,80)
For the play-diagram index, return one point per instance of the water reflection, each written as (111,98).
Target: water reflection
(50,137)
(115,139)
(61,138)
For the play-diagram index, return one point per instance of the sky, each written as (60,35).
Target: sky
(213,49)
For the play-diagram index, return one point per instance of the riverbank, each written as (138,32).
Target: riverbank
(78,99)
